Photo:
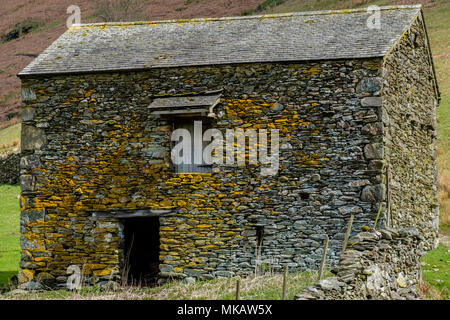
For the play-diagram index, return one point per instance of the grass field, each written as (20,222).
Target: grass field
(436,270)
(9,232)
(267,287)
(10,139)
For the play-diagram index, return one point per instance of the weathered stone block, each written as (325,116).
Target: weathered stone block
(30,162)
(359,183)
(374,151)
(32,138)
(32,216)
(28,94)
(350,210)
(172,275)
(375,165)
(226,274)
(330,284)
(25,275)
(370,84)
(27,183)
(165,268)
(372,102)
(372,129)
(374,193)
(27,114)
(31,286)
(46,279)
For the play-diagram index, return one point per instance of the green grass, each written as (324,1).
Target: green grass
(8,136)
(436,270)
(9,232)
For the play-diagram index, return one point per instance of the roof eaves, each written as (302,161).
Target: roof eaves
(24,75)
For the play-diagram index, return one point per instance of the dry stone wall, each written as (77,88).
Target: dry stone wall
(10,168)
(378,264)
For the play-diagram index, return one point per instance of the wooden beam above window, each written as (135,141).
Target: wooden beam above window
(129,214)
(200,105)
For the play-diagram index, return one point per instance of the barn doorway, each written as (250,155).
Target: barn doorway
(141,250)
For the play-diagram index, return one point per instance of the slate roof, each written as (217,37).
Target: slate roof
(297,36)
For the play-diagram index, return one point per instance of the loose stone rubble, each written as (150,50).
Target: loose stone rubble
(378,264)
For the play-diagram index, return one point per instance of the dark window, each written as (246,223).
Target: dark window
(304,196)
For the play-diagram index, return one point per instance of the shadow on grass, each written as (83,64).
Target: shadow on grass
(6,276)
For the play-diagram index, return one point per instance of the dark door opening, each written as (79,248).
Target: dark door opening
(141,251)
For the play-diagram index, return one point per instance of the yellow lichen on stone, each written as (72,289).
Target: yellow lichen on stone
(25,275)
(312,71)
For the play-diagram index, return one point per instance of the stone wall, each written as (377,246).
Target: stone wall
(382,264)
(91,146)
(10,168)
(409,134)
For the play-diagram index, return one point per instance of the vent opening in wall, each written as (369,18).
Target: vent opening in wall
(259,239)
(141,250)
(304,196)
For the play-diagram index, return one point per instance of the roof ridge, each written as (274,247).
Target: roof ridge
(266,16)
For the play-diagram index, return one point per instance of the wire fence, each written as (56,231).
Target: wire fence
(270,265)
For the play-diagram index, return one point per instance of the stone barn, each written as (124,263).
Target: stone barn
(352,102)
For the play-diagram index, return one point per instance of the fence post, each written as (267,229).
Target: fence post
(324,256)
(238,288)
(285,274)
(347,233)
(383,181)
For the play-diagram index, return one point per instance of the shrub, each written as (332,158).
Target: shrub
(20,28)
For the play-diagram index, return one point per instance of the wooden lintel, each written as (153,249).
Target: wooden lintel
(129,214)
(181,111)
